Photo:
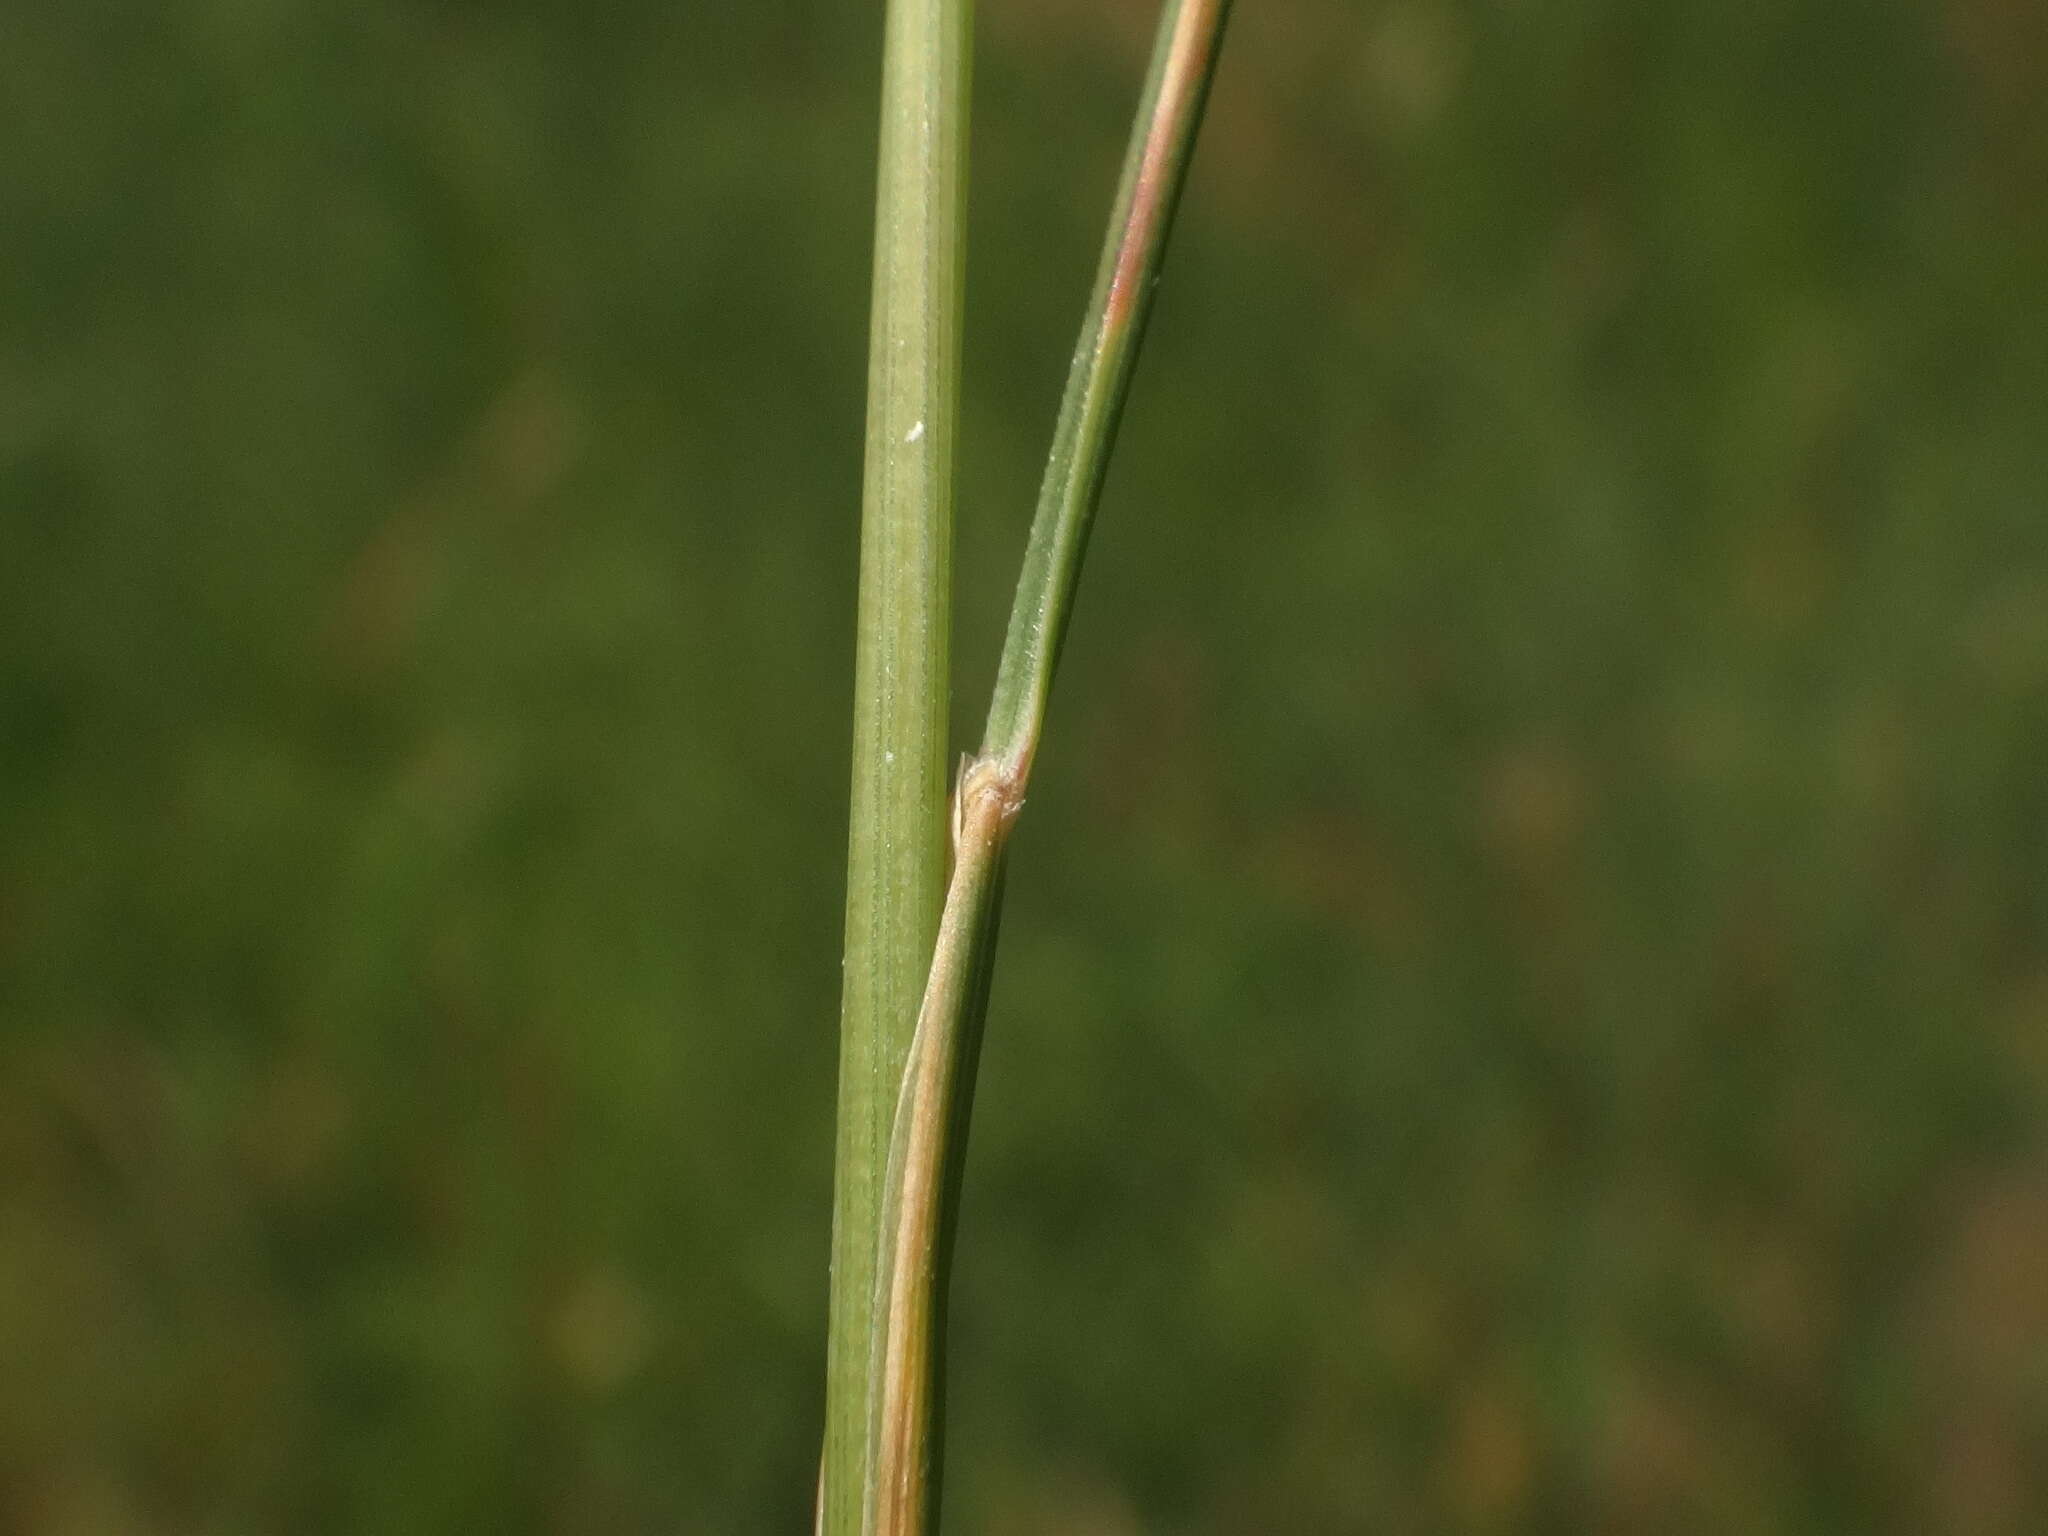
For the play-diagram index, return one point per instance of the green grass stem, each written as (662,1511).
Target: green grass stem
(921,1198)
(896,848)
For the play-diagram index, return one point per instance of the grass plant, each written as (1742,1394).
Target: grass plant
(894,1214)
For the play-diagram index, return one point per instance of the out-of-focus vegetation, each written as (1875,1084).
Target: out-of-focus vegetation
(1525,994)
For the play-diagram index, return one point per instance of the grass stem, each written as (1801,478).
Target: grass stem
(896,836)
(921,1196)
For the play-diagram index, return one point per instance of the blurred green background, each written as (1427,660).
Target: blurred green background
(1525,994)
